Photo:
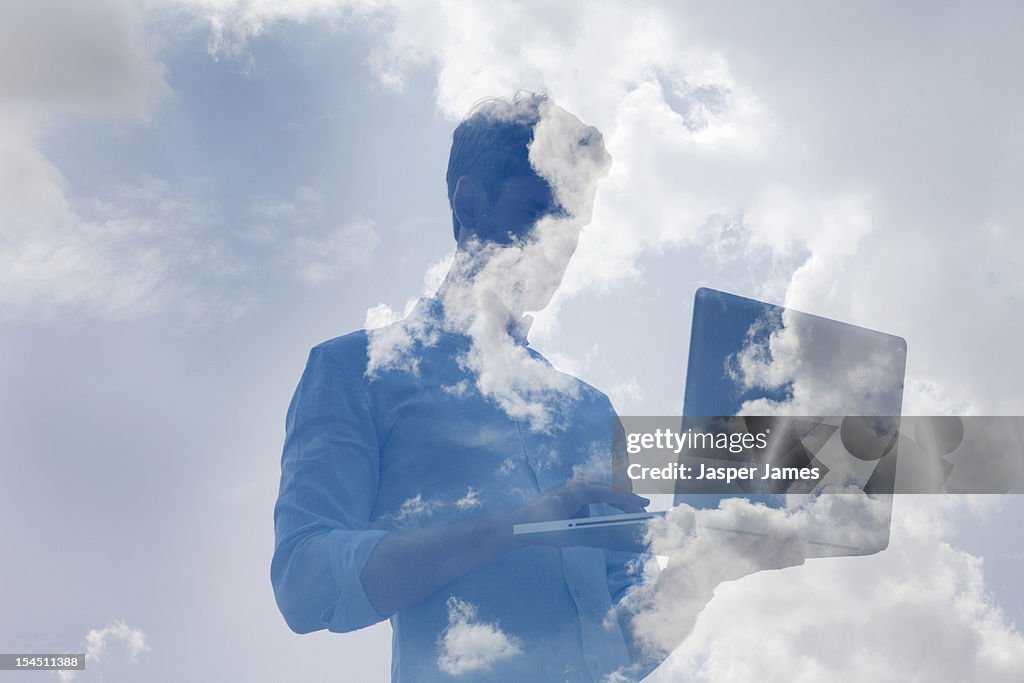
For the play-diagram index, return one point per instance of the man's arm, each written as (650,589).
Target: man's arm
(329,476)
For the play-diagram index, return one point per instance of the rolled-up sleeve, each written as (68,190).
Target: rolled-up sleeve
(329,479)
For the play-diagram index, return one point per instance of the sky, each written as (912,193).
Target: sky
(193,194)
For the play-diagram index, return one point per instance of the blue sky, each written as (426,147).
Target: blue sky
(193,194)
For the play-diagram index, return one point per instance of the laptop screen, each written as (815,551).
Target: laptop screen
(748,357)
(810,374)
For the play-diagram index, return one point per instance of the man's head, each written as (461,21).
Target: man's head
(522,178)
(499,183)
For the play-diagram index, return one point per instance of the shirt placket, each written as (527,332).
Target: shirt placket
(583,571)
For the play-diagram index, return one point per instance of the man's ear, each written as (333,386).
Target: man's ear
(469,203)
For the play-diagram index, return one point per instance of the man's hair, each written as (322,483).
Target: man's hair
(491,144)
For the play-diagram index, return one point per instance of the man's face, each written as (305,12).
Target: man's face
(544,211)
(521,202)
(527,270)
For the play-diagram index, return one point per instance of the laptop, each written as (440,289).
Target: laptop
(833,393)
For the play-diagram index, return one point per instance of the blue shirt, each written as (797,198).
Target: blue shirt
(409,448)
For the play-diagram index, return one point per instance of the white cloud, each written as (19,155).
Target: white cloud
(139,249)
(626,394)
(419,509)
(100,642)
(136,248)
(849,184)
(597,465)
(666,605)
(415,509)
(97,641)
(391,339)
(297,230)
(917,611)
(667,109)
(383,315)
(469,501)
(231,23)
(469,645)
(143,248)
(825,369)
(460,388)
(482,291)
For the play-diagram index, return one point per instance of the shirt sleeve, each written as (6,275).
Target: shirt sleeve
(329,479)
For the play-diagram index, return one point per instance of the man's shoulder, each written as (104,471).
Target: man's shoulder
(346,351)
(595,396)
(346,344)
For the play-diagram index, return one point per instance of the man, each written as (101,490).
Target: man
(411,451)
(401,480)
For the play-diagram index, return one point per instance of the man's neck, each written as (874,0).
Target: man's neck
(468,303)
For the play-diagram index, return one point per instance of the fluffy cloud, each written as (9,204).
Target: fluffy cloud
(294,230)
(383,315)
(824,369)
(871,182)
(469,501)
(99,643)
(703,553)
(416,510)
(126,252)
(137,250)
(917,611)
(139,247)
(98,640)
(675,119)
(469,645)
